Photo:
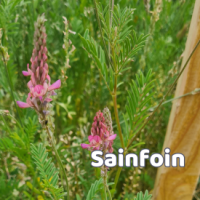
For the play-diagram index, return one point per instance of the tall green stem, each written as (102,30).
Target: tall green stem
(117,119)
(111,6)
(115,100)
(110,196)
(104,183)
(117,177)
(59,160)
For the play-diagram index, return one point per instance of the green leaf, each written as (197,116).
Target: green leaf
(78,197)
(138,102)
(48,172)
(146,196)
(95,187)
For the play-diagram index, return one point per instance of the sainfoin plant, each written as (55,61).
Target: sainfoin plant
(40,91)
(47,152)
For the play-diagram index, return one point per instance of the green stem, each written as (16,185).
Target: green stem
(110,196)
(111,6)
(59,161)
(115,101)
(117,177)
(194,92)
(117,120)
(104,183)
(11,89)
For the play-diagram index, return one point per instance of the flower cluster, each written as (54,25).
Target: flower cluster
(40,89)
(102,135)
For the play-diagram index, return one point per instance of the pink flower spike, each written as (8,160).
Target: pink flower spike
(85,146)
(25,73)
(23,104)
(112,137)
(55,85)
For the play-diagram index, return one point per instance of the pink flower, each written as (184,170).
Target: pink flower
(39,84)
(102,136)
(39,90)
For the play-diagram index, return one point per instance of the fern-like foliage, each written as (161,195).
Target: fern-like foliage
(145,197)
(98,55)
(122,41)
(18,140)
(7,187)
(31,128)
(7,8)
(48,172)
(95,187)
(130,46)
(120,19)
(121,34)
(138,101)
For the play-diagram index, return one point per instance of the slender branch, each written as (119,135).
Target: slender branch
(104,81)
(117,177)
(59,160)
(111,7)
(104,183)
(196,91)
(11,89)
(117,120)
(170,89)
(110,196)
(115,101)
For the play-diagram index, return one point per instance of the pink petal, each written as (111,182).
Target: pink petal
(29,84)
(96,148)
(55,85)
(23,104)
(97,138)
(37,72)
(90,138)
(85,146)
(40,97)
(49,78)
(25,73)
(112,137)
(48,99)
(33,79)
